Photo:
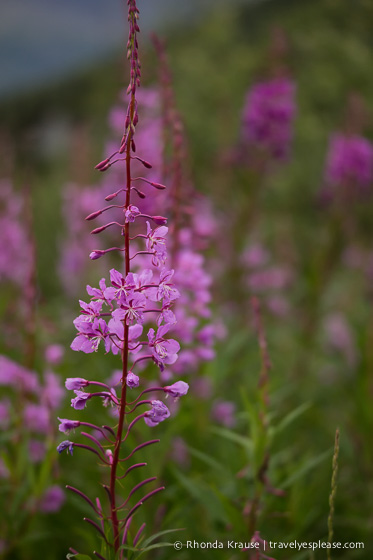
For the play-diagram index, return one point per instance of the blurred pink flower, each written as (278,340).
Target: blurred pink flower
(223,412)
(52,500)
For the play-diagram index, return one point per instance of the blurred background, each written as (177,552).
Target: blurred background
(276,98)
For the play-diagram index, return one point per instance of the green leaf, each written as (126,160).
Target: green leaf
(232,436)
(153,546)
(291,417)
(143,549)
(234,514)
(160,534)
(206,458)
(205,495)
(308,466)
(128,547)
(45,471)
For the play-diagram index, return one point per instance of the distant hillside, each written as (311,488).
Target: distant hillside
(40,40)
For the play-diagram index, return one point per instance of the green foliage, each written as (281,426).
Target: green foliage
(312,388)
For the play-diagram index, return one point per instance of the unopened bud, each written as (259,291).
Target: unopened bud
(103,164)
(144,162)
(159,220)
(140,193)
(98,230)
(96,255)
(94,215)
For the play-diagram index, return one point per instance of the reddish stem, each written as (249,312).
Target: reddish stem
(123,401)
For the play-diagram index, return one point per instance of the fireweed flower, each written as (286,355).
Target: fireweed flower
(262,276)
(268,117)
(90,335)
(120,286)
(52,499)
(155,241)
(52,392)
(164,350)
(131,213)
(75,383)
(66,426)
(349,166)
(36,418)
(117,331)
(192,228)
(18,377)
(118,316)
(80,401)
(54,354)
(68,445)
(131,309)
(166,289)
(177,389)
(133,380)
(27,412)
(37,450)
(30,397)
(157,414)
(192,233)
(223,412)
(15,256)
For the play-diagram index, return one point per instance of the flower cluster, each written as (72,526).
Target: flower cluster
(265,278)
(127,301)
(349,165)
(195,326)
(26,411)
(268,117)
(130,316)
(194,225)
(14,246)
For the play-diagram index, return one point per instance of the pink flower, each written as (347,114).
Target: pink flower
(54,354)
(178,389)
(80,401)
(131,309)
(349,162)
(36,418)
(268,117)
(52,499)
(223,412)
(75,383)
(131,213)
(37,450)
(157,414)
(156,243)
(132,380)
(164,350)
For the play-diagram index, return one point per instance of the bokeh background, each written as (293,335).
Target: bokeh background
(307,255)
